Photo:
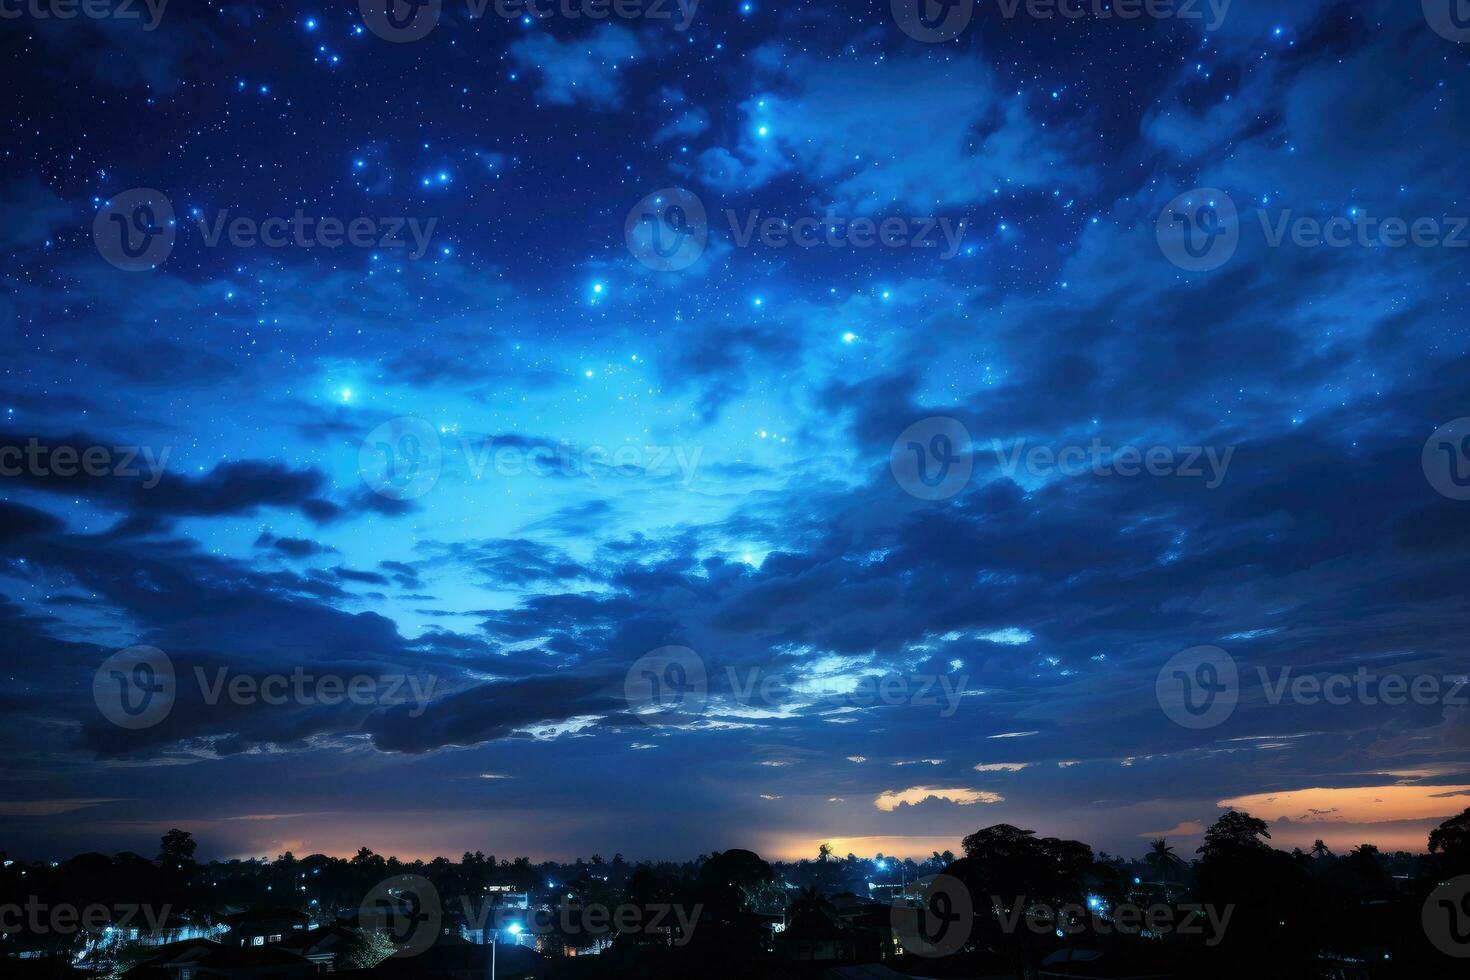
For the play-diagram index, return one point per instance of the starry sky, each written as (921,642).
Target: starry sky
(711,456)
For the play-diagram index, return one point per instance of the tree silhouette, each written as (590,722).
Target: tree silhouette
(1008,872)
(1162,859)
(1449,843)
(1277,916)
(177,848)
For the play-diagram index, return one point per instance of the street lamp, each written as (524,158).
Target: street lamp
(514,929)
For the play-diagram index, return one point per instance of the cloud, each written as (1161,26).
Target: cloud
(146,50)
(48,808)
(855,132)
(138,480)
(688,123)
(588,71)
(30,212)
(892,799)
(1355,805)
(292,547)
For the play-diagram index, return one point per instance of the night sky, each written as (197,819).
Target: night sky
(513,466)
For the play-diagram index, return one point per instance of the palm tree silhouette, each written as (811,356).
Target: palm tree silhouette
(1162,857)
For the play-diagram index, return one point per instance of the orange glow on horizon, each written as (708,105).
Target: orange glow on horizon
(1356,805)
(916,847)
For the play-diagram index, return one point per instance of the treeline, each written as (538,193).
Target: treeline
(1010,902)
